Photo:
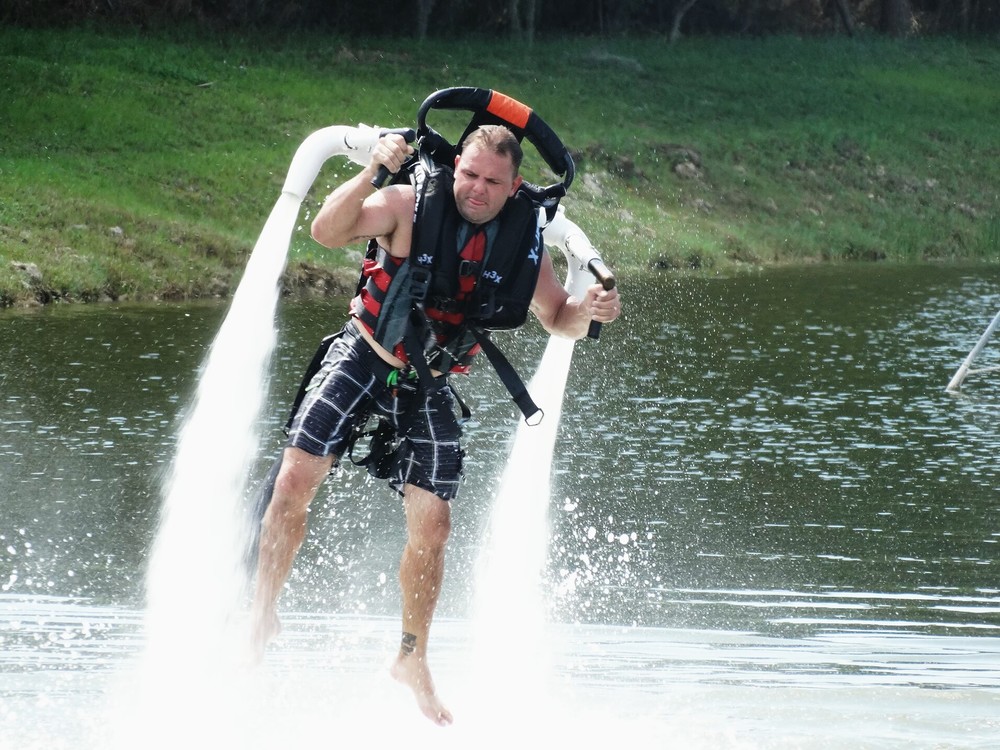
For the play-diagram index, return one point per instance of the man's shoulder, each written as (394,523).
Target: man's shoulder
(521,210)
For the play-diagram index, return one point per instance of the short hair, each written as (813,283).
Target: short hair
(498,139)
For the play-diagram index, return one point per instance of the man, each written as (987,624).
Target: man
(351,382)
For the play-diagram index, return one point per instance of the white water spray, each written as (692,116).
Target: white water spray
(510,610)
(510,614)
(196,580)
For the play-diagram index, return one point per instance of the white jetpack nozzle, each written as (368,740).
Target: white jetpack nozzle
(582,258)
(584,261)
(356,143)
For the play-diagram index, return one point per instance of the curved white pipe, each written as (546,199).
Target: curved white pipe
(580,253)
(356,143)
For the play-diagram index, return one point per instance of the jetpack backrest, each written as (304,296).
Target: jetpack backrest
(494,108)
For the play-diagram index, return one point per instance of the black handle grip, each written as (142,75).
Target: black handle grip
(607,280)
(602,273)
(383,174)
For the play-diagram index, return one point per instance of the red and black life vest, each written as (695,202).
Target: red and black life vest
(466,280)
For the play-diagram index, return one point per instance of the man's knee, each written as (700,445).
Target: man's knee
(428,518)
(298,479)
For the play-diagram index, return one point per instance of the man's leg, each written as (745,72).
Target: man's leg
(282,532)
(421,570)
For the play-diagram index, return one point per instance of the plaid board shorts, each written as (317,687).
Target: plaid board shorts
(349,385)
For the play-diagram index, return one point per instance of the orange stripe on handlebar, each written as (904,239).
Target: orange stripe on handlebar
(509,110)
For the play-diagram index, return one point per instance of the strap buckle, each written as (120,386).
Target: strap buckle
(420,283)
(469,268)
(405,380)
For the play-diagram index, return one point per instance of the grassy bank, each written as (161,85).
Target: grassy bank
(137,166)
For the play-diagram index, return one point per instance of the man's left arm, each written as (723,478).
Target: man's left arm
(564,315)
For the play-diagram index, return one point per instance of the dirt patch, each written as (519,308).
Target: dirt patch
(305,279)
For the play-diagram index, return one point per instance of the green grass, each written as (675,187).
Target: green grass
(143,166)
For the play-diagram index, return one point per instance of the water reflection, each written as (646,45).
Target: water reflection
(781,432)
(790,432)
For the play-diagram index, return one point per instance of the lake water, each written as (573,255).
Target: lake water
(770,527)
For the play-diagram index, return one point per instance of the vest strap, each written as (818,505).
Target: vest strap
(420,282)
(511,380)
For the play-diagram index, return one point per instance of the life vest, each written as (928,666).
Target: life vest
(467,280)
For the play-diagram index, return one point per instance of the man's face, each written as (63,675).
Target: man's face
(483,183)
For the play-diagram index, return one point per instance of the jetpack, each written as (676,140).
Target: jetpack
(492,107)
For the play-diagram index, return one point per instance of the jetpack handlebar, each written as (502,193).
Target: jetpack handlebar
(383,174)
(582,258)
(602,273)
(357,143)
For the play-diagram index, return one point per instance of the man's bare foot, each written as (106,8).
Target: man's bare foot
(412,671)
(263,628)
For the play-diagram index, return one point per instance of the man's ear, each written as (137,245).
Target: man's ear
(517,183)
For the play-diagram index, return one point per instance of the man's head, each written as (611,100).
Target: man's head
(486,172)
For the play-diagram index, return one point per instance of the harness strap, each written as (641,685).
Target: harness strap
(508,375)
(311,370)
(416,328)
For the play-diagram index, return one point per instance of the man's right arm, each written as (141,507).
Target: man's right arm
(356,211)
